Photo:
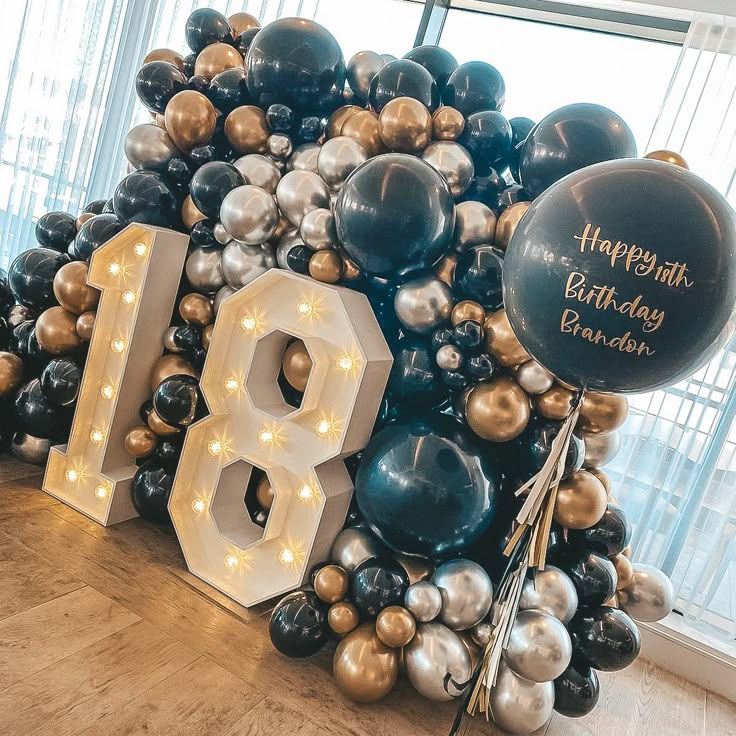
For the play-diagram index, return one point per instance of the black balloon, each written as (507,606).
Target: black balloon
(188,337)
(5,333)
(37,356)
(297,259)
(157,82)
(377,584)
(576,691)
(622,277)
(35,414)
(436,60)
(168,450)
(177,400)
(475,86)
(206,26)
(395,214)
(487,136)
(56,230)
(485,189)
(31,277)
(211,183)
(95,207)
(535,443)
(6,296)
(94,233)
(508,196)
(245,39)
(415,378)
(610,536)
(520,129)
(606,638)
(60,381)
(298,625)
(18,342)
(228,90)
(151,490)
(403,78)
(145,197)
(478,276)
(594,577)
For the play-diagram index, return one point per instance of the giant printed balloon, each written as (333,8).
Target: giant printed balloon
(622,276)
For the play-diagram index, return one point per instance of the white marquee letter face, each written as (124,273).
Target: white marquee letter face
(138,272)
(300,450)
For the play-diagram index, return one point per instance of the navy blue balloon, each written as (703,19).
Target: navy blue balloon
(520,129)
(61,380)
(487,136)
(475,86)
(298,625)
(377,584)
(478,276)
(211,183)
(206,26)
(508,196)
(593,576)
(605,638)
(415,378)
(146,197)
(31,277)
(152,484)
(427,486)
(56,230)
(157,82)
(228,90)
(609,536)
(403,78)
(95,207)
(439,62)
(485,189)
(576,691)
(34,413)
(6,296)
(534,444)
(94,233)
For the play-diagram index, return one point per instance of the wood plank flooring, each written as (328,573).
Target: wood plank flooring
(104,632)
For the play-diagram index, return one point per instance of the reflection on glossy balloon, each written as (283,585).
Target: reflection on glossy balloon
(453,162)
(609,536)
(71,289)
(206,26)
(149,147)
(204,270)
(95,233)
(11,373)
(602,412)
(156,84)
(343,617)
(423,304)
(298,625)
(669,156)
(403,78)
(405,125)
(216,58)
(35,414)
(414,378)
(424,600)
(376,584)
(317,229)
(576,691)
(56,331)
(437,61)
(299,192)
(518,705)
(190,119)
(55,230)
(354,546)
(487,136)
(466,592)
(361,69)
(475,224)
(605,638)
(31,276)
(259,170)
(581,501)
(29,449)
(478,276)
(600,449)
(498,410)
(539,648)
(395,626)
(650,596)
(177,400)
(338,158)
(534,379)
(60,381)
(550,590)
(145,197)
(593,576)
(304,158)
(242,263)
(475,86)
(507,223)
(249,214)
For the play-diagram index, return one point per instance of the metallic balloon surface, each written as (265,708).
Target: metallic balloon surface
(550,590)
(204,270)
(576,691)
(299,192)
(593,576)
(403,78)
(298,625)
(31,276)
(439,62)
(151,490)
(454,163)
(35,414)
(147,198)
(259,170)
(423,304)
(149,147)
(353,546)
(609,536)
(600,449)
(474,86)
(534,378)
(61,380)
(338,158)
(466,592)
(377,584)
(518,705)
(424,600)
(650,596)
(317,229)
(361,69)
(605,638)
(539,648)
(249,214)
(475,224)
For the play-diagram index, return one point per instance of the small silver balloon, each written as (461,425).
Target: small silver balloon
(481,633)
(299,192)
(550,590)
(454,163)
(361,69)
(243,263)
(475,224)
(304,158)
(449,358)
(168,340)
(318,229)
(423,600)
(650,596)
(437,662)
(466,591)
(259,170)
(288,241)
(150,147)
(423,304)
(220,297)
(539,647)
(338,158)
(279,146)
(249,213)
(519,706)
(30,449)
(221,235)
(601,448)
(203,269)
(353,546)
(534,378)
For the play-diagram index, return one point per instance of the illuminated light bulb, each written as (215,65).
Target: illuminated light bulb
(107,391)
(286,557)
(198,505)
(114,268)
(140,249)
(266,437)
(306,493)
(128,297)
(324,427)
(248,323)
(101,492)
(96,436)
(304,308)
(214,447)
(71,475)
(345,363)
(231,562)
(117,345)
(232,385)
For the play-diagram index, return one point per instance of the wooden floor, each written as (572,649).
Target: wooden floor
(102,631)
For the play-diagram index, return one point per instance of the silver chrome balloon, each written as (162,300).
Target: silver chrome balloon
(534,378)
(148,146)
(259,170)
(353,546)
(249,213)
(539,647)
(520,706)
(288,241)
(31,449)
(304,158)
(551,590)
(601,448)
(318,229)
(454,163)
(423,600)
(650,596)
(338,158)
(481,633)
(449,358)
(466,591)
(299,192)
(434,653)
(168,340)
(203,269)
(475,224)
(279,146)
(361,69)
(220,297)
(423,304)
(221,235)
(242,263)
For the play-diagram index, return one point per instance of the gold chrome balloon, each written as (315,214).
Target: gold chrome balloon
(141,441)
(196,309)
(207,336)
(190,119)
(447,124)
(395,626)
(331,583)
(338,118)
(465,310)
(502,342)
(326,266)
(159,426)
(343,617)
(190,215)
(601,448)
(603,478)
(85,325)
(445,269)
(507,223)
(405,125)
(56,331)
(417,568)
(350,271)
(264,493)
(669,156)
(246,129)
(555,403)
(11,373)
(71,289)
(602,412)
(363,127)
(216,58)
(498,410)
(297,365)
(581,501)
(241,22)
(169,55)
(83,218)
(624,570)
(170,365)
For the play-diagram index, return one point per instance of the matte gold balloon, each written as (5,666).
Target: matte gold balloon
(445,269)
(507,223)
(350,271)
(363,127)
(141,441)
(326,266)
(159,426)
(264,493)
(11,373)
(207,336)
(216,58)
(246,129)
(297,364)
(169,55)
(190,215)
(502,342)
(498,410)
(56,331)
(71,289)
(338,118)
(343,617)
(365,668)
(581,501)
(602,412)
(554,403)
(196,309)
(85,325)
(241,22)
(331,583)
(83,218)
(624,570)
(603,478)
(669,156)
(170,365)
(405,125)
(395,626)
(467,310)
(190,119)
(447,124)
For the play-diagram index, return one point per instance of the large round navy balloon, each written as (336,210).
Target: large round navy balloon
(211,183)
(475,86)
(205,26)
(60,381)
(394,215)
(94,233)
(487,136)
(622,276)
(56,230)
(605,638)
(439,62)
(298,63)
(569,139)
(403,78)
(376,584)
(34,413)
(145,197)
(151,490)
(426,486)
(157,82)
(609,536)
(298,625)
(31,277)
(228,90)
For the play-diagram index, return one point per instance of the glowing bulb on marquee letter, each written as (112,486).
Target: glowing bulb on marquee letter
(300,450)
(138,273)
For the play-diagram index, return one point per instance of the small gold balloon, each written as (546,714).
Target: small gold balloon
(11,373)
(170,365)
(445,269)
(141,441)
(169,55)
(190,215)
(395,626)
(581,501)
(603,478)
(326,266)
(241,22)
(507,223)
(628,551)
(71,289)
(246,129)
(297,365)
(56,331)
(196,309)
(363,127)
(159,426)
(447,124)
(216,58)
(602,412)
(336,120)
(190,119)
(405,125)
(207,336)
(624,570)
(264,493)
(365,668)
(343,617)
(83,218)
(331,583)
(465,310)
(498,410)
(85,325)
(554,403)
(501,341)
(669,156)
(350,271)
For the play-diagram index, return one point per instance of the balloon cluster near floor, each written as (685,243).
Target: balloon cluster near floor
(525,276)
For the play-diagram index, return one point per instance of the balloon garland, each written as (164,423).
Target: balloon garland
(520,272)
